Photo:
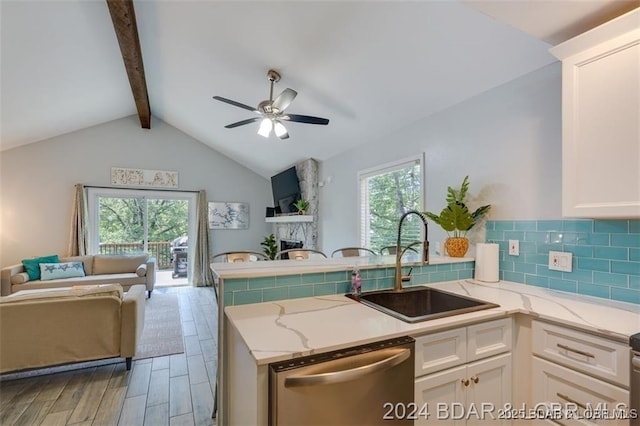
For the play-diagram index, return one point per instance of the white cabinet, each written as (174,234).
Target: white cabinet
(463,376)
(583,399)
(593,355)
(587,376)
(601,120)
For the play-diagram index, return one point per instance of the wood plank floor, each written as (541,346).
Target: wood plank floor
(170,390)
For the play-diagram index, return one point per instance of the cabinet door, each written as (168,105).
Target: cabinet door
(585,399)
(592,355)
(488,338)
(489,389)
(441,393)
(438,351)
(601,130)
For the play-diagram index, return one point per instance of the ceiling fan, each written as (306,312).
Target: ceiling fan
(271,112)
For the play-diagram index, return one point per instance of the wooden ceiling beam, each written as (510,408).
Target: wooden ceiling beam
(124,22)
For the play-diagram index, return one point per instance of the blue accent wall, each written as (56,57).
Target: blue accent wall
(606,255)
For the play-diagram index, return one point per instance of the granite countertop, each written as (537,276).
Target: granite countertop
(280,330)
(288,267)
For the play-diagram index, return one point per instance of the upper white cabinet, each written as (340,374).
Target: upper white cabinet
(600,120)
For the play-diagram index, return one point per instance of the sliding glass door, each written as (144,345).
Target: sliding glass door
(125,221)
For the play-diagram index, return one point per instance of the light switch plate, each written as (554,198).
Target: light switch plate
(560,261)
(514,248)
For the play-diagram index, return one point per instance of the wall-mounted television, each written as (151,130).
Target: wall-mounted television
(286,190)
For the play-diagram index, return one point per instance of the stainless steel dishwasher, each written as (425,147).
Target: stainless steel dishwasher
(364,385)
(634,395)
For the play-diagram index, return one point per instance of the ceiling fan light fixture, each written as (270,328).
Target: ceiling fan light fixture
(265,127)
(279,129)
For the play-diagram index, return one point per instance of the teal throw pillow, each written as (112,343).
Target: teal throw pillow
(56,271)
(32,266)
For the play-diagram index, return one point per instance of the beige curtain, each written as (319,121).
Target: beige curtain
(78,240)
(202,275)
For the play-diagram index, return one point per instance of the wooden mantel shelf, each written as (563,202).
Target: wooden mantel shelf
(290,219)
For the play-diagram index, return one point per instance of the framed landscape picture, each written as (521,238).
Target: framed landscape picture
(228,215)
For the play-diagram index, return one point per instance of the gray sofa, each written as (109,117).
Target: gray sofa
(126,270)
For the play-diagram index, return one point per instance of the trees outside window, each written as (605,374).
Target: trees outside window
(386,193)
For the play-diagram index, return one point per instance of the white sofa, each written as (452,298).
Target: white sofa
(43,328)
(126,270)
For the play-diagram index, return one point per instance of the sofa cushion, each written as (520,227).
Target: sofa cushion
(141,271)
(56,271)
(117,264)
(32,266)
(66,292)
(86,260)
(20,278)
(126,280)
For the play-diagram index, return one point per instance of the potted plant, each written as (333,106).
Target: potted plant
(269,246)
(457,220)
(302,206)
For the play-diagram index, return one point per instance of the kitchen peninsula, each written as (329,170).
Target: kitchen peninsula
(258,334)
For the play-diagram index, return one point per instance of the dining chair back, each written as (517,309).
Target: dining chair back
(353,252)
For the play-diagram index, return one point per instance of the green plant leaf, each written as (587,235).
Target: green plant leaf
(456,218)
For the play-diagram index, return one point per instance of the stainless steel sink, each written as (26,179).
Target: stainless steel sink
(420,303)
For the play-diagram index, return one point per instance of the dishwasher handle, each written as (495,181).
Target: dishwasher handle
(397,357)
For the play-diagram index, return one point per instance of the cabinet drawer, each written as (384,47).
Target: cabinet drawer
(595,356)
(488,338)
(574,391)
(435,352)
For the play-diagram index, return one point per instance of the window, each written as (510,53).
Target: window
(386,193)
(126,221)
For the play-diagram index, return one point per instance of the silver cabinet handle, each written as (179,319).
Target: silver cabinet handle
(398,357)
(571,400)
(575,351)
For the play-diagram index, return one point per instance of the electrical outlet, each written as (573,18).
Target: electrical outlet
(560,261)
(514,248)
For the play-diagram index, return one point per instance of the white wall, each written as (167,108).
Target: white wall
(36,182)
(508,140)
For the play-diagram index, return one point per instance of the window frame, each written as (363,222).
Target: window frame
(363,229)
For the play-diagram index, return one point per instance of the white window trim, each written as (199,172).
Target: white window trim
(385,168)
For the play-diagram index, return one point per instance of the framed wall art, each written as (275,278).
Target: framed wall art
(228,215)
(140,177)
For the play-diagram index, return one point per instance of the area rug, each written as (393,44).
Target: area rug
(162,333)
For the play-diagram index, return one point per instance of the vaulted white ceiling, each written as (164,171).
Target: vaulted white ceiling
(370,67)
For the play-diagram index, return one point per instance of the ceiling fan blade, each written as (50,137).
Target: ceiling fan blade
(234,103)
(242,123)
(284,99)
(306,119)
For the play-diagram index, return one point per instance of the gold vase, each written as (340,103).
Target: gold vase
(456,246)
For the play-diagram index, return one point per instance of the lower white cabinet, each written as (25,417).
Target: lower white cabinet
(463,376)
(471,394)
(581,399)
(582,378)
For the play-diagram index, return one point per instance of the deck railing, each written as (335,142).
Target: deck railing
(160,250)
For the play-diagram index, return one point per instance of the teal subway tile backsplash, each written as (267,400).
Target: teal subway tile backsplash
(606,255)
(630,268)
(606,263)
(262,282)
(611,226)
(625,240)
(625,295)
(293,286)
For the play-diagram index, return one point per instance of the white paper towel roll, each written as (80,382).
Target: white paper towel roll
(487,259)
